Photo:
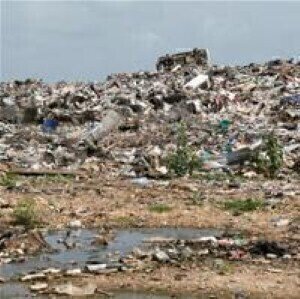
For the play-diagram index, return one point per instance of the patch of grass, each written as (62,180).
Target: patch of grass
(57,178)
(223,267)
(159,208)
(8,180)
(184,160)
(240,206)
(25,213)
(126,221)
(212,176)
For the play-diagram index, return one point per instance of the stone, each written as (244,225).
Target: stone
(95,267)
(39,286)
(35,276)
(282,222)
(51,271)
(70,289)
(187,252)
(75,224)
(287,256)
(73,272)
(160,256)
(271,256)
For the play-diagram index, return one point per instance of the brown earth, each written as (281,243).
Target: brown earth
(113,202)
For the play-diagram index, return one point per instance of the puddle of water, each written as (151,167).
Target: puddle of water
(124,242)
(19,291)
(14,291)
(138,295)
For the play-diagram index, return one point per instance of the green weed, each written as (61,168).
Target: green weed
(198,198)
(239,206)
(9,180)
(25,213)
(159,208)
(184,160)
(271,160)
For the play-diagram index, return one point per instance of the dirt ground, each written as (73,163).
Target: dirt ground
(113,202)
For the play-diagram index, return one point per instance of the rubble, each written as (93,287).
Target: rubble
(119,134)
(173,62)
(71,122)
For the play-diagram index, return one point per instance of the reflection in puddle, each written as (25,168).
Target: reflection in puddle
(123,243)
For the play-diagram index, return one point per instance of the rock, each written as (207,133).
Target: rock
(271,256)
(73,272)
(186,252)
(2,280)
(160,256)
(173,253)
(141,182)
(95,267)
(137,252)
(70,289)
(39,286)
(75,224)
(287,256)
(282,222)
(51,271)
(36,276)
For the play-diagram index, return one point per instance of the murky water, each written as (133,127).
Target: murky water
(123,243)
(19,291)
(85,252)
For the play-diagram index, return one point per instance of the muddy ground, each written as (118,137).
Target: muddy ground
(195,202)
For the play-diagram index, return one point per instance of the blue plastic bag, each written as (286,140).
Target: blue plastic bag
(49,125)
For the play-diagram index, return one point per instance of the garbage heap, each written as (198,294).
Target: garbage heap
(130,119)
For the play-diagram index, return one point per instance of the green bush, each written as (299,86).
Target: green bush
(184,160)
(8,180)
(271,160)
(25,213)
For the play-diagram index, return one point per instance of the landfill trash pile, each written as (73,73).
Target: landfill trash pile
(197,56)
(131,118)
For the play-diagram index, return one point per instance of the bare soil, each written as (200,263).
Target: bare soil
(112,202)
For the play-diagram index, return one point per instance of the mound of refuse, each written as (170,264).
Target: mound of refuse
(130,119)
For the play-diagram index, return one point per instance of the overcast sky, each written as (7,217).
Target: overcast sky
(87,40)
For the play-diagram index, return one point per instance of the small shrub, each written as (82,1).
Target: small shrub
(240,206)
(270,161)
(184,160)
(160,208)
(223,267)
(198,198)
(25,213)
(8,180)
